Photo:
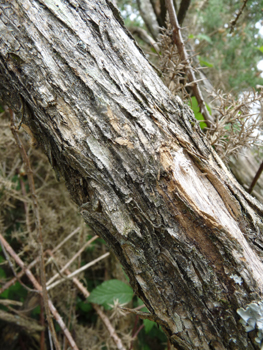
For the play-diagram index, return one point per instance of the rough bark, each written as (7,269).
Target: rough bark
(138,166)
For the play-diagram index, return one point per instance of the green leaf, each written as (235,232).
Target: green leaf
(5,294)
(148,325)
(86,307)
(208,108)
(2,273)
(109,291)
(145,347)
(198,115)
(260,48)
(194,105)
(204,37)
(36,311)
(205,63)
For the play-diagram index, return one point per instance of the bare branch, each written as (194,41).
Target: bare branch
(178,40)
(29,325)
(233,22)
(39,288)
(83,268)
(253,183)
(37,222)
(72,259)
(96,307)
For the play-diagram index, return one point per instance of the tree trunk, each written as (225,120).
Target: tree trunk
(137,164)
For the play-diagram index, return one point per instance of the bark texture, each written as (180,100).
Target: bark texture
(138,166)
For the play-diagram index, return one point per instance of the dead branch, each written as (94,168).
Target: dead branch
(72,259)
(83,268)
(96,307)
(37,222)
(178,40)
(233,22)
(254,181)
(34,262)
(29,325)
(37,286)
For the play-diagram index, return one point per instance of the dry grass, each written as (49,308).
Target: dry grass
(59,217)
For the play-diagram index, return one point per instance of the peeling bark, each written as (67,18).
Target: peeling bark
(138,166)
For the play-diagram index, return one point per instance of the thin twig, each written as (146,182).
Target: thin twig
(13,270)
(23,188)
(66,239)
(138,331)
(253,183)
(34,262)
(101,314)
(233,22)
(72,259)
(27,324)
(37,222)
(10,302)
(178,40)
(18,276)
(42,322)
(143,35)
(37,286)
(83,268)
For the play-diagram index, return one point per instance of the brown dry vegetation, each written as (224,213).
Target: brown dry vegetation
(59,218)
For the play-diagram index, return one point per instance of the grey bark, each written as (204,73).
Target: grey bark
(138,166)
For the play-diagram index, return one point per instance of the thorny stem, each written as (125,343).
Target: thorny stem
(34,262)
(253,183)
(25,206)
(178,40)
(42,322)
(13,270)
(72,259)
(96,307)
(37,286)
(38,224)
(234,21)
(138,331)
(135,332)
(93,262)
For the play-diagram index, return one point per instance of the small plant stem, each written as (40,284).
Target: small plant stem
(253,183)
(234,21)
(83,268)
(37,286)
(42,322)
(23,188)
(138,331)
(134,330)
(178,40)
(72,259)
(37,222)
(96,307)
(66,239)
(34,262)
(13,270)
(17,277)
